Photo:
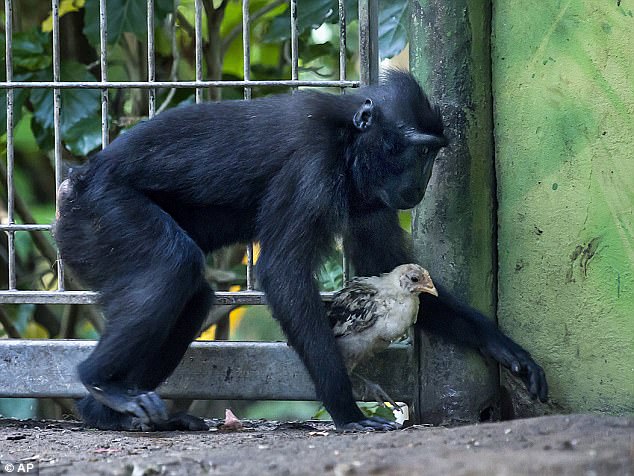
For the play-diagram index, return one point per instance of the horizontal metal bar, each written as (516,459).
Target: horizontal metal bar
(239,298)
(48,297)
(209,370)
(25,227)
(173,84)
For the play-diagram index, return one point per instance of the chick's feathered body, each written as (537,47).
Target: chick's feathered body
(372,312)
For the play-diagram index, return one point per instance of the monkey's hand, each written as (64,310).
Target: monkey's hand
(519,362)
(369,424)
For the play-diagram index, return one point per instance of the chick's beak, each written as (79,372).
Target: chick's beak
(427,286)
(431,290)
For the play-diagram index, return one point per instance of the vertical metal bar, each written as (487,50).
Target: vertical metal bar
(57,104)
(198,27)
(246,45)
(369,41)
(151,75)
(294,42)
(246,48)
(342,41)
(345,264)
(103,62)
(8,28)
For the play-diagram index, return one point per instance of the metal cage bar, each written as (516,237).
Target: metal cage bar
(283,83)
(369,41)
(57,108)
(90,297)
(198,32)
(8,26)
(294,42)
(342,41)
(345,265)
(246,48)
(103,65)
(46,368)
(151,74)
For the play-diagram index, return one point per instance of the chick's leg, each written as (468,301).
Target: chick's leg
(364,387)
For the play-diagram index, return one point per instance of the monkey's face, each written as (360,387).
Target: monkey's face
(404,184)
(395,164)
(399,134)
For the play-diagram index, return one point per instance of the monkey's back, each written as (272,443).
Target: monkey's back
(204,147)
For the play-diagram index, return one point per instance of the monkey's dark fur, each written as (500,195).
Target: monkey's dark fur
(289,171)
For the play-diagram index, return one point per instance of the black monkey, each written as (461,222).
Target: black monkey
(290,171)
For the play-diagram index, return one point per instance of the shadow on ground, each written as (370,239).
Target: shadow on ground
(559,445)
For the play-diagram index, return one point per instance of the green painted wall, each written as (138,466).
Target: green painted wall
(563,88)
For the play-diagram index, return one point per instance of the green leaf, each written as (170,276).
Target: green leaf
(19,97)
(331,274)
(310,14)
(313,51)
(123,16)
(84,137)
(393,17)
(405,220)
(313,13)
(31,51)
(77,104)
(374,409)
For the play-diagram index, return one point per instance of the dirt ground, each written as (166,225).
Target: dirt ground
(554,445)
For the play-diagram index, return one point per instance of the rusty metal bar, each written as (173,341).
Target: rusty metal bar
(345,264)
(198,27)
(28,227)
(369,41)
(57,106)
(175,84)
(103,63)
(151,74)
(342,40)
(8,26)
(294,42)
(209,370)
(246,48)
(90,297)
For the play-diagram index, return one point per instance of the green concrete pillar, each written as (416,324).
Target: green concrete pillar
(454,226)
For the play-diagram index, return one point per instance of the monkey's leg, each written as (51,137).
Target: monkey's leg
(152,290)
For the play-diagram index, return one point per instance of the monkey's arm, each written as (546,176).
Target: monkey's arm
(377,244)
(447,317)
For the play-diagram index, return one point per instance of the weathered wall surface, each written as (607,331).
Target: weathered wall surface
(563,88)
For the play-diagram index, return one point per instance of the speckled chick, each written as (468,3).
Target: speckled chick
(372,312)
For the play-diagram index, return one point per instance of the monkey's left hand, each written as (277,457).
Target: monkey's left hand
(519,362)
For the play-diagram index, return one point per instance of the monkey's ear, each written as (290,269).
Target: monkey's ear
(362,119)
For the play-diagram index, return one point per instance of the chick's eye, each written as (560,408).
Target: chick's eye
(415,279)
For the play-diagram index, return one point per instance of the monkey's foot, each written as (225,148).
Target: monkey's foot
(177,422)
(374,390)
(369,424)
(146,407)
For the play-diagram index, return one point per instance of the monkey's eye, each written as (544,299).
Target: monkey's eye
(425,150)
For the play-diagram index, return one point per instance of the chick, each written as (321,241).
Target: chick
(372,312)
